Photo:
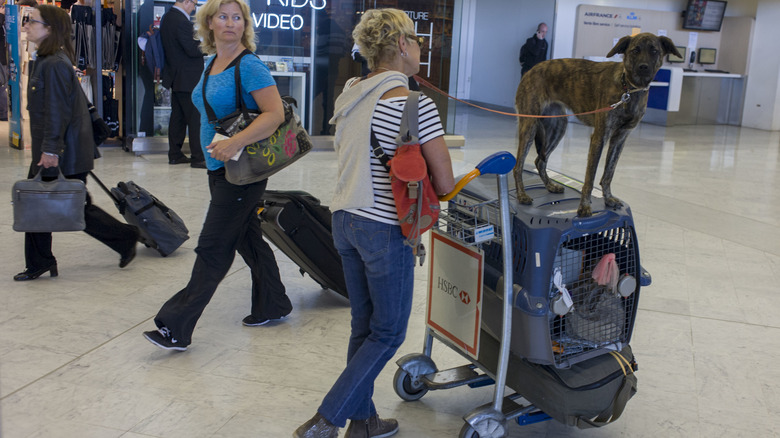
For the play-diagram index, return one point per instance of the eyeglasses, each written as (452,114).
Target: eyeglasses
(27,19)
(420,40)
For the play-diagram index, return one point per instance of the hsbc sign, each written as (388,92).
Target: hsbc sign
(455,292)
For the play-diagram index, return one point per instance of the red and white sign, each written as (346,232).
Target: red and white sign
(455,292)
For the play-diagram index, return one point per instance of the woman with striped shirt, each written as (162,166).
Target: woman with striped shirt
(378,267)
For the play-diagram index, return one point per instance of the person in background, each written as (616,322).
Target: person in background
(378,266)
(183,66)
(61,131)
(534,50)
(224,27)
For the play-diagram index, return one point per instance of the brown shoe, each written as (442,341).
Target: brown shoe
(374,427)
(317,427)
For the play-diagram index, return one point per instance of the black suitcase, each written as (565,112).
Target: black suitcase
(300,226)
(159,226)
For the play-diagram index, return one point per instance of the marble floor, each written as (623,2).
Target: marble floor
(706,203)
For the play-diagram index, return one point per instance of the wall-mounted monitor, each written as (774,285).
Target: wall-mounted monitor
(674,58)
(704,15)
(707,56)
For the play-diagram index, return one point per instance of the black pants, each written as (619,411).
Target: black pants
(185,119)
(231,225)
(102,226)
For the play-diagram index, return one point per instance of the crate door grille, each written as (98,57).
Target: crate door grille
(600,316)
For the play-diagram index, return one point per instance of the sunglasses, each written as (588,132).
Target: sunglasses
(27,19)
(420,40)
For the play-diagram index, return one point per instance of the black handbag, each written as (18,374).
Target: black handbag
(49,206)
(264,158)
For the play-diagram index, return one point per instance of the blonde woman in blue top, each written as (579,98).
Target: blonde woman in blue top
(224,28)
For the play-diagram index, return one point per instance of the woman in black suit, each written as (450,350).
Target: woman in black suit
(61,130)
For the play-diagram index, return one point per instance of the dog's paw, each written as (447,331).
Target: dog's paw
(613,202)
(523,198)
(554,188)
(584,211)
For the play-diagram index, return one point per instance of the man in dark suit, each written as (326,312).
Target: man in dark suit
(183,67)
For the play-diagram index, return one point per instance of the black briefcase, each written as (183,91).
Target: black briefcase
(49,206)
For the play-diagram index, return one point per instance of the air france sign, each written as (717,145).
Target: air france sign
(287,14)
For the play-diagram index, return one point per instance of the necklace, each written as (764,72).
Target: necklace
(381,68)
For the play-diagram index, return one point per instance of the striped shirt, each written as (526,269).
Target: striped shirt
(386,124)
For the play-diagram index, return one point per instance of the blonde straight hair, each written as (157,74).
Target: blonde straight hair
(206,36)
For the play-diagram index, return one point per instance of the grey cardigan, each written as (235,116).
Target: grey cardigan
(354,110)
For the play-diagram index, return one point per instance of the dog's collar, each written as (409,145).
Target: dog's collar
(626,91)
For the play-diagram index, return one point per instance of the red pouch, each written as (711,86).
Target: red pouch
(416,201)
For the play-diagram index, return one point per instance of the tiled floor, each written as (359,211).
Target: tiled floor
(706,204)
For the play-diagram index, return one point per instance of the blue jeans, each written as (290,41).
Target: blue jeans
(379,270)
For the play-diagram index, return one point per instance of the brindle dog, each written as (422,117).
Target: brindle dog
(581,86)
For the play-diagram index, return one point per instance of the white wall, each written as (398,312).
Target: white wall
(501,29)
(762,94)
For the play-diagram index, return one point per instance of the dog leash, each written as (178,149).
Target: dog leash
(623,99)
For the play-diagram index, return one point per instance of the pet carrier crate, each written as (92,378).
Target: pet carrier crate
(561,314)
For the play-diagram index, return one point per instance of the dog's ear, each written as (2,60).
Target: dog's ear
(620,47)
(668,45)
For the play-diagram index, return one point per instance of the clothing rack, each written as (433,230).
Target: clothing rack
(97,51)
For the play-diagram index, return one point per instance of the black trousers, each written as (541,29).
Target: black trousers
(184,117)
(102,226)
(231,225)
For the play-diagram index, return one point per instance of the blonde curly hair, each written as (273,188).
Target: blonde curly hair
(378,32)
(206,36)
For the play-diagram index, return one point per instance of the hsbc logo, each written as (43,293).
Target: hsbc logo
(454,291)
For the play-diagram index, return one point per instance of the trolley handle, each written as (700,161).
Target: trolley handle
(499,163)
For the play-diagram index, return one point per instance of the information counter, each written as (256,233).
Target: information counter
(679,97)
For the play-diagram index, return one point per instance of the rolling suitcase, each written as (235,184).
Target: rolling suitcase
(159,226)
(300,227)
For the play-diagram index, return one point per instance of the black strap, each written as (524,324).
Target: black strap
(379,151)
(239,101)
(410,126)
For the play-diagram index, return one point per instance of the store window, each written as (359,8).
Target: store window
(308,46)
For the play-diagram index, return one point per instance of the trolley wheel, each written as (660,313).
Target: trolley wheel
(488,426)
(406,388)
(468,432)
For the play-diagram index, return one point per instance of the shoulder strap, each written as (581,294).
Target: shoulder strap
(409,126)
(239,101)
(409,132)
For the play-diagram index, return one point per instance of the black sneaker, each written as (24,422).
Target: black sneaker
(163,339)
(251,321)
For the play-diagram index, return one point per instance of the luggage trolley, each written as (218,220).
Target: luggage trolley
(540,303)
(470,226)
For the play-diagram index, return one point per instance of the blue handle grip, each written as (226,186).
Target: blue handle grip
(498,164)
